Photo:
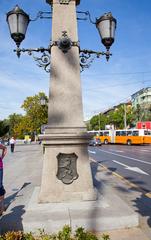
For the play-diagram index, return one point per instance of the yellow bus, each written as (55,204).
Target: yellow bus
(104,135)
(133,136)
(124,136)
(147,136)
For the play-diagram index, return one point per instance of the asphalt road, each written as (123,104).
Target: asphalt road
(131,162)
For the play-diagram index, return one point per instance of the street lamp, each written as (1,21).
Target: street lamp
(18,22)
(106,26)
(42,101)
(66,172)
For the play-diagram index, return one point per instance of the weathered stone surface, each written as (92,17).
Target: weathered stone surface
(66,131)
(54,190)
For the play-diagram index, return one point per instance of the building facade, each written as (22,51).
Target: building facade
(142,98)
(141,102)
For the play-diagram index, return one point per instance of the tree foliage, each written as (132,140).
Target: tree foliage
(36,114)
(142,113)
(13,121)
(18,125)
(116,118)
(4,128)
(98,121)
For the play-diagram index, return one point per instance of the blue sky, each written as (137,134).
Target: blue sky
(103,84)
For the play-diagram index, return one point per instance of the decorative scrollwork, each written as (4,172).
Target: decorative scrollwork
(43,61)
(85,61)
(88,56)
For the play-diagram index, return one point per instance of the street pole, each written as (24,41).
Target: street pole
(125,117)
(66,169)
(99,122)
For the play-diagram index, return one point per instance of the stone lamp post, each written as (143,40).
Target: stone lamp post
(66,174)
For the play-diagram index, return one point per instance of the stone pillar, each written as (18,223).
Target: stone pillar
(66,174)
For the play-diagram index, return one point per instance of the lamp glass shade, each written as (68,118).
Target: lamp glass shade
(106,26)
(42,101)
(18,22)
(12,21)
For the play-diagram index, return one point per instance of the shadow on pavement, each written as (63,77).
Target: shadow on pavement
(94,168)
(12,197)
(143,205)
(13,219)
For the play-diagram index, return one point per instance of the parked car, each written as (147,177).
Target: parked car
(95,142)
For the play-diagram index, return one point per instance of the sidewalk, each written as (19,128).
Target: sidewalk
(133,198)
(23,174)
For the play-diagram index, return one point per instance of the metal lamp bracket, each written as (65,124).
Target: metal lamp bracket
(65,43)
(88,56)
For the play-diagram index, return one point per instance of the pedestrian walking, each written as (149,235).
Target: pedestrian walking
(2,190)
(12,144)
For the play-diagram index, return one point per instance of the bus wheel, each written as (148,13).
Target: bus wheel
(129,143)
(106,142)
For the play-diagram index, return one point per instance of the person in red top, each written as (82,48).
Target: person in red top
(2,190)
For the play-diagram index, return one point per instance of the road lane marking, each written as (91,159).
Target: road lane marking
(117,151)
(135,169)
(133,185)
(123,156)
(145,150)
(92,152)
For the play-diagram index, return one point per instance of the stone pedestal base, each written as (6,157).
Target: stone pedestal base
(60,151)
(101,215)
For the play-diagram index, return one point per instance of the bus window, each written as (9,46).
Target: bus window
(129,133)
(147,132)
(117,133)
(106,133)
(122,133)
(135,133)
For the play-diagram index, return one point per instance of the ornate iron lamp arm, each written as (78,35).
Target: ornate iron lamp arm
(88,56)
(42,15)
(30,50)
(42,61)
(48,15)
(87,16)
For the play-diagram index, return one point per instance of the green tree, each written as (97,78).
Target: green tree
(22,128)
(4,128)
(98,121)
(142,113)
(116,118)
(14,120)
(130,117)
(94,122)
(36,114)
(138,113)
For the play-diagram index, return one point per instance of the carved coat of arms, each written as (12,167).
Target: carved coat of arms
(67,167)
